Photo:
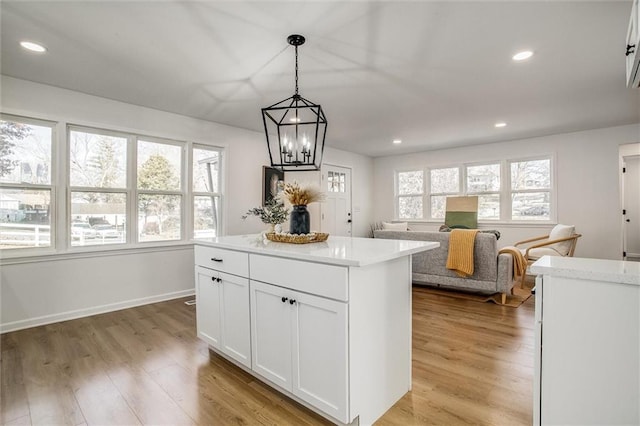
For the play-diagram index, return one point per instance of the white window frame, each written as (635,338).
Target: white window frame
(429,194)
(398,196)
(504,193)
(499,192)
(181,191)
(52,188)
(127,190)
(552,190)
(218,194)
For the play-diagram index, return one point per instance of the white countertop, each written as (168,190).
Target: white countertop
(615,271)
(346,251)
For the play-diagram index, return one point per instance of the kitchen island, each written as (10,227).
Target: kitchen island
(587,342)
(327,324)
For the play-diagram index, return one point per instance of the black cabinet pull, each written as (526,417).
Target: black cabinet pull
(284,299)
(630,49)
(292,301)
(216,279)
(215,259)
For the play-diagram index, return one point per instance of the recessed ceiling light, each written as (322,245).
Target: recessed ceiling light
(521,56)
(34,47)
(500,124)
(397,141)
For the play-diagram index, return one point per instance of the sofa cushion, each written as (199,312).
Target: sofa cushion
(561,231)
(398,226)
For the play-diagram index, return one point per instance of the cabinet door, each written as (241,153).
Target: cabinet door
(236,337)
(320,357)
(208,306)
(271,333)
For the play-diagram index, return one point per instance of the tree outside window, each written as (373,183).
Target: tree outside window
(159,191)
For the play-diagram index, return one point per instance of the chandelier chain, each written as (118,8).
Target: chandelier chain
(296,47)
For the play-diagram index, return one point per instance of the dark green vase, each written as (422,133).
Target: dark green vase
(299,220)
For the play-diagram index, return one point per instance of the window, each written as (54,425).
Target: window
(410,194)
(509,190)
(206,191)
(443,183)
(98,186)
(484,181)
(531,189)
(121,188)
(159,175)
(336,181)
(26,183)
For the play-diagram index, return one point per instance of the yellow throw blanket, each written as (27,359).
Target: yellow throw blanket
(519,263)
(460,258)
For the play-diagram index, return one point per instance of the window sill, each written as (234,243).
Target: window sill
(51,255)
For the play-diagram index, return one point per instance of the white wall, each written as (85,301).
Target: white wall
(67,286)
(588,193)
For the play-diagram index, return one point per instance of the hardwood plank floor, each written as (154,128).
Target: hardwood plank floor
(472,364)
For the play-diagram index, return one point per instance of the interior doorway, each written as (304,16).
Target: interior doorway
(336,214)
(630,194)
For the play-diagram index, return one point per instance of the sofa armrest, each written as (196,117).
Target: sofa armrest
(505,280)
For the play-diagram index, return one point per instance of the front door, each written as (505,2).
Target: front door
(336,210)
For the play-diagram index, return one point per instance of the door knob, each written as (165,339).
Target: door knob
(292,301)
(628,220)
(348,220)
(284,299)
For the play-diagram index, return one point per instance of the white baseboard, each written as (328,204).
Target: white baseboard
(81,313)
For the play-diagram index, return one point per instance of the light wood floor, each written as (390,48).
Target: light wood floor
(472,364)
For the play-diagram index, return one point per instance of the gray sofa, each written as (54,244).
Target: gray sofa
(493,272)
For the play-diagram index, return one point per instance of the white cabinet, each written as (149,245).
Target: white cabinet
(632,47)
(222,304)
(328,325)
(300,344)
(587,351)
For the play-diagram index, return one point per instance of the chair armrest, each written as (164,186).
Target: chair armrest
(544,237)
(550,242)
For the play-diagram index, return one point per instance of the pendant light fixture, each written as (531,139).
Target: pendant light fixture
(295,128)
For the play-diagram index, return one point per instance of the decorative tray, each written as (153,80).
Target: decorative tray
(314,237)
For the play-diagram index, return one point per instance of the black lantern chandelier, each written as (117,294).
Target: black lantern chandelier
(295,128)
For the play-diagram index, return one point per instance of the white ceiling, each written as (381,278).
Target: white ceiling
(434,74)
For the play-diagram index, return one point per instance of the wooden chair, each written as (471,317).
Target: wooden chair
(549,245)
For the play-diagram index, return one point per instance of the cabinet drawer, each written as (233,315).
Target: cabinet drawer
(232,262)
(313,278)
